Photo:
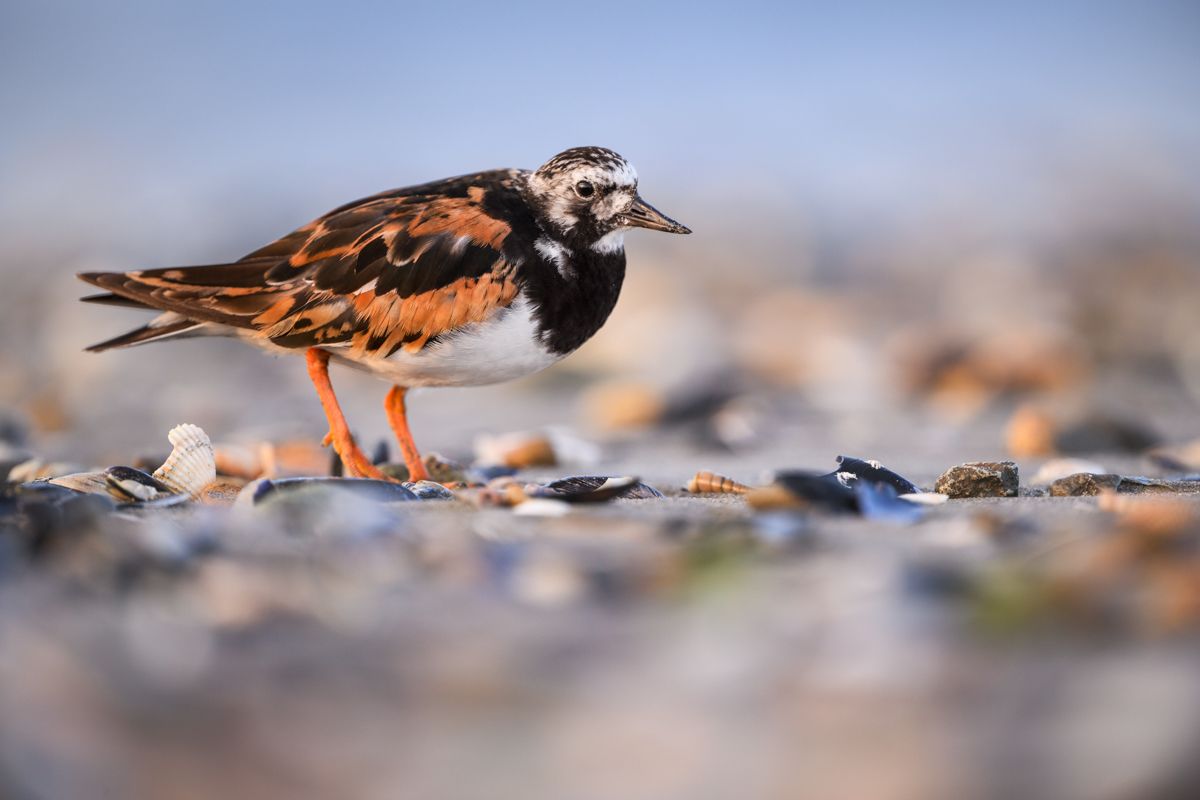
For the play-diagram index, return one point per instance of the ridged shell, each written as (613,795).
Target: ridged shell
(88,482)
(192,464)
(704,482)
(593,489)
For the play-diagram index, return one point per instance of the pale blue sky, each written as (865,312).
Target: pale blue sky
(287,107)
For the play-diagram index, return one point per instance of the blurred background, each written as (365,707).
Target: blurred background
(880,195)
(924,232)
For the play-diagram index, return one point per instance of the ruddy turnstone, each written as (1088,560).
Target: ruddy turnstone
(460,282)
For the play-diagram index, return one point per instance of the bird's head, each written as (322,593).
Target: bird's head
(589,195)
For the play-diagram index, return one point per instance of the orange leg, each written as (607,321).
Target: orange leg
(357,465)
(398,418)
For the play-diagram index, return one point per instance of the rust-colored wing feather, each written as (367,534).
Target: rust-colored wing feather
(388,272)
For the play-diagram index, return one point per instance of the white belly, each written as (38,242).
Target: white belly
(502,349)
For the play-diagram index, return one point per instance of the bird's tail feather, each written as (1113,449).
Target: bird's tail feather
(165,326)
(113,300)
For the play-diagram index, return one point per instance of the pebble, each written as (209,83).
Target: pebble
(979,479)
(1084,484)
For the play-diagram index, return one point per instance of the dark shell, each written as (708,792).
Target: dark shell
(595,489)
(118,475)
(823,490)
(874,472)
(364,488)
(856,485)
(429,490)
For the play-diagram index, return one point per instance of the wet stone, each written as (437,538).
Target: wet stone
(1084,484)
(979,479)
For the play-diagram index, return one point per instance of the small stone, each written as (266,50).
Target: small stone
(1084,484)
(1136,484)
(979,479)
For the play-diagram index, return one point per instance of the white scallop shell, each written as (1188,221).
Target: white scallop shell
(192,464)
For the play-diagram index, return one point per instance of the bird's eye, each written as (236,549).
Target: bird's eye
(585,189)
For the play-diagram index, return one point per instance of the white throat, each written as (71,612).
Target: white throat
(611,242)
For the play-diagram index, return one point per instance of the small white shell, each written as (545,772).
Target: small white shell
(192,464)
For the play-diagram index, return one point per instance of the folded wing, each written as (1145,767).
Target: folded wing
(389,272)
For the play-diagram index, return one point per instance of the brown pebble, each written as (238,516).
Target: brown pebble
(979,479)
(1084,484)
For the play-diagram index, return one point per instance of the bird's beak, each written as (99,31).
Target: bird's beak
(643,215)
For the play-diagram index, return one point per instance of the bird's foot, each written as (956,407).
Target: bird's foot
(354,462)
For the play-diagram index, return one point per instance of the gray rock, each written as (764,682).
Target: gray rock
(980,479)
(1140,485)
(1085,484)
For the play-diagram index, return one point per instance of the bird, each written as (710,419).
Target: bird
(465,281)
